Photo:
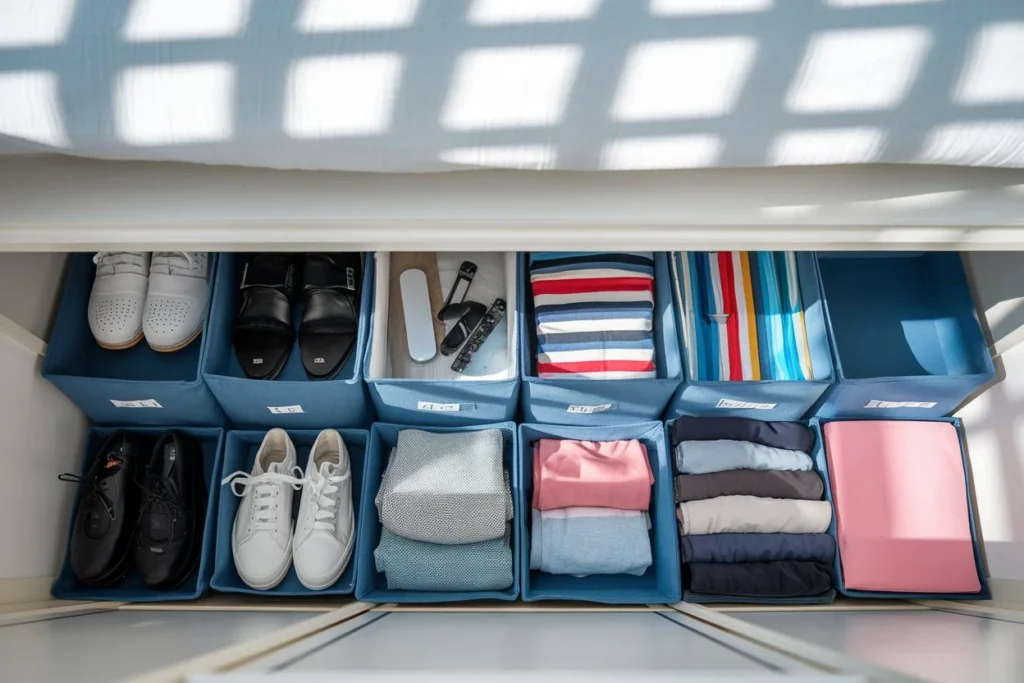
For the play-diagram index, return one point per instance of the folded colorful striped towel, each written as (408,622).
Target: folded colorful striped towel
(742,316)
(594,314)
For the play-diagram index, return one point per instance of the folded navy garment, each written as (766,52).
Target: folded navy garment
(759,579)
(761,483)
(733,548)
(790,436)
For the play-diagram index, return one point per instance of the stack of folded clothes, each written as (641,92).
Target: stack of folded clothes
(594,314)
(590,502)
(751,518)
(445,506)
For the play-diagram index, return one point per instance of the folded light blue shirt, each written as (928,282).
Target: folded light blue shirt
(581,546)
(704,457)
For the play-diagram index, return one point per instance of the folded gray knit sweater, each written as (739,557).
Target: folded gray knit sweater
(446,488)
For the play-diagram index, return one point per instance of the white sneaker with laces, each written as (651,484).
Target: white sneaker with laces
(176,303)
(325,528)
(118,298)
(261,539)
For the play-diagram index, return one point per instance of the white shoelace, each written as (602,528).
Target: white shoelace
(107,262)
(323,490)
(187,261)
(266,493)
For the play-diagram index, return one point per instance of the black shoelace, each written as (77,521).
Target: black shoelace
(92,485)
(160,494)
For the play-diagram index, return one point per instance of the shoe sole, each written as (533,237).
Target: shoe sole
(177,347)
(336,572)
(125,345)
(113,576)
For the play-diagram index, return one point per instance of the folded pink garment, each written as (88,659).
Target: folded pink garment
(610,474)
(900,495)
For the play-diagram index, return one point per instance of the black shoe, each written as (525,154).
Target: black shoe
(263,334)
(330,323)
(107,510)
(169,535)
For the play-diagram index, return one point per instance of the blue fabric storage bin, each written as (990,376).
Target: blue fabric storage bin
(132,588)
(239,455)
(441,402)
(371,585)
(602,402)
(136,386)
(661,583)
(905,333)
(769,400)
(826,598)
(822,465)
(292,401)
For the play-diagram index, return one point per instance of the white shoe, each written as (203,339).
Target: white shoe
(176,302)
(118,298)
(325,528)
(261,539)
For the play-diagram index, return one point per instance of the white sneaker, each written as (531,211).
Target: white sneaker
(325,528)
(261,539)
(118,297)
(176,303)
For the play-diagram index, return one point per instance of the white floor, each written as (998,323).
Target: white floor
(934,646)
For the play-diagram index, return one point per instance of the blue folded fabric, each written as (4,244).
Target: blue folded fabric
(702,457)
(732,548)
(418,566)
(581,546)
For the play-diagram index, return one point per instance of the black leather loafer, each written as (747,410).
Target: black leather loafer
(169,534)
(330,322)
(263,334)
(107,509)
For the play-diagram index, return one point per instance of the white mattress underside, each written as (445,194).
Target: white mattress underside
(415,86)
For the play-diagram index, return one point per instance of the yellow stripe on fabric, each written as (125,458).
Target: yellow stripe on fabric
(748,294)
(805,357)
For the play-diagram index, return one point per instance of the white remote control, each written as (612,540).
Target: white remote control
(419,323)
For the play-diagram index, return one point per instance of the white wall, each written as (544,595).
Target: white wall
(42,434)
(994,423)
(29,285)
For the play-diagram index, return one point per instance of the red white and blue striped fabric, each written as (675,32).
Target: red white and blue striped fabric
(594,314)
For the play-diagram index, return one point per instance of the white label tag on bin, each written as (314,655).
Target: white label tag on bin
(729,403)
(285,410)
(589,410)
(141,403)
(439,407)
(899,404)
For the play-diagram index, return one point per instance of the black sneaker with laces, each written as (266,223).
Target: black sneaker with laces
(169,533)
(107,505)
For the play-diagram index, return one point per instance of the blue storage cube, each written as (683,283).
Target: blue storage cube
(132,588)
(661,583)
(371,585)
(770,400)
(826,598)
(822,464)
(601,401)
(292,400)
(905,332)
(136,386)
(239,455)
(444,402)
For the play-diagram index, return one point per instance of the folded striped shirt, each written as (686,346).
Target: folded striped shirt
(594,314)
